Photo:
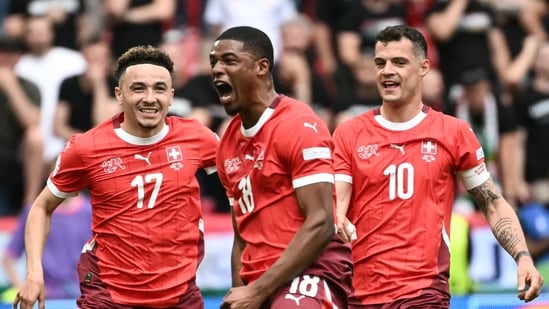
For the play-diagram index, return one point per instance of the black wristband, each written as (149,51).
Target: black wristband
(521,254)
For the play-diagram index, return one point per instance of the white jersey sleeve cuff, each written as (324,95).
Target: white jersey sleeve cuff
(344,178)
(210,170)
(58,193)
(307,180)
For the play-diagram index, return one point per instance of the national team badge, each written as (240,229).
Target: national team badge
(429,150)
(365,152)
(232,165)
(175,156)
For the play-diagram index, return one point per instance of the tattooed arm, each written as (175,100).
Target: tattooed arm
(507,229)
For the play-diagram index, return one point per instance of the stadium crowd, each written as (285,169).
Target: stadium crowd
(489,67)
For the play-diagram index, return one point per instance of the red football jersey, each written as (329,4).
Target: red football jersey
(403,179)
(145,200)
(261,167)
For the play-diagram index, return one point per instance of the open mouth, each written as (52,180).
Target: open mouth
(223,89)
(390,85)
(148,110)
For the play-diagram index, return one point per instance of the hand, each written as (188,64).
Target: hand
(529,280)
(30,292)
(345,229)
(242,297)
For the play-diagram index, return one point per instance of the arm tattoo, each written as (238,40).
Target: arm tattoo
(521,254)
(485,194)
(507,236)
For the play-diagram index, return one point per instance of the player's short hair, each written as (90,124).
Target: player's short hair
(397,32)
(143,54)
(254,40)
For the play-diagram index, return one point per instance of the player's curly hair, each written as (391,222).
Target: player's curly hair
(255,41)
(143,54)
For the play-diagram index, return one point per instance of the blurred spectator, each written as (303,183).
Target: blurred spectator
(65,17)
(20,136)
(268,16)
(194,95)
(534,17)
(433,89)
(47,66)
(478,106)
(327,18)
(294,73)
(362,22)
(466,38)
(533,110)
(137,22)
(70,229)
(87,99)
(415,17)
(363,94)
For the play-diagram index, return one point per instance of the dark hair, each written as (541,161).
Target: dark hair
(142,55)
(8,44)
(396,33)
(255,41)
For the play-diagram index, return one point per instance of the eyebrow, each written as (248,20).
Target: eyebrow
(139,83)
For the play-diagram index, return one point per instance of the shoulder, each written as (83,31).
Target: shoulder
(292,110)
(449,121)
(191,129)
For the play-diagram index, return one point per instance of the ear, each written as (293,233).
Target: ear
(424,67)
(263,66)
(118,95)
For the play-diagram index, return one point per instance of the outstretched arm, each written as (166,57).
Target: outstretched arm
(507,229)
(36,233)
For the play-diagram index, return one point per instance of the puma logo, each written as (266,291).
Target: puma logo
(146,159)
(399,147)
(296,299)
(312,126)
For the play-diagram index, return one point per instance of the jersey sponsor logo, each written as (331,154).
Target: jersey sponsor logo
(111,165)
(232,165)
(316,153)
(366,152)
(294,298)
(481,169)
(144,158)
(311,126)
(429,150)
(397,146)
(480,153)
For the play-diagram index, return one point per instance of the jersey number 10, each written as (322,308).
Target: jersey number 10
(401,180)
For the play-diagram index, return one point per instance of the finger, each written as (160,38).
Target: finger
(350,230)
(16,301)
(343,235)
(533,290)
